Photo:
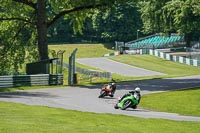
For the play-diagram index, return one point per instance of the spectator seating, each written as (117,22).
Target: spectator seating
(154,41)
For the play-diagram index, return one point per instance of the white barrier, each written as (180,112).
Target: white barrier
(179,59)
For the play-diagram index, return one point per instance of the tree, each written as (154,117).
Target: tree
(19,18)
(182,16)
(119,23)
(152,15)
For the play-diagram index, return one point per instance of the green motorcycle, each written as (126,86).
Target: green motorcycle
(130,101)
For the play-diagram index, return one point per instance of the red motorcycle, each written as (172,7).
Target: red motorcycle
(107,90)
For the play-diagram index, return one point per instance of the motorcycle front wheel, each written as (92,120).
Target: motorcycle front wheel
(116,107)
(102,94)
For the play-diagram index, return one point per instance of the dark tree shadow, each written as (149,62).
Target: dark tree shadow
(155,84)
(18,94)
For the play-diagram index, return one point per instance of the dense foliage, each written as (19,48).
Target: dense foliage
(182,16)
(17,36)
(24,25)
(118,23)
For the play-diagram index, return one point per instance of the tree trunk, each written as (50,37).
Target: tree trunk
(42,30)
(187,39)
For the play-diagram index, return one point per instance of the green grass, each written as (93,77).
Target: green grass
(18,118)
(172,69)
(185,102)
(84,50)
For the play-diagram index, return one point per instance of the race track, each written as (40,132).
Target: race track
(116,67)
(86,98)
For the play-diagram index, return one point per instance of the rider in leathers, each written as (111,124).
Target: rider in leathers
(112,88)
(134,92)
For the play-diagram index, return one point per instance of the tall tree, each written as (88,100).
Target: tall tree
(119,23)
(151,15)
(182,16)
(36,16)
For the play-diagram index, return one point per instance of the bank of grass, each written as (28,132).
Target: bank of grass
(184,102)
(18,118)
(84,50)
(170,68)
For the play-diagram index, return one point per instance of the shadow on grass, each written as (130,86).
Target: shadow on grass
(109,45)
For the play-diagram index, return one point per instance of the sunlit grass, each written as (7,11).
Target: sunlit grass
(84,50)
(172,69)
(18,118)
(185,102)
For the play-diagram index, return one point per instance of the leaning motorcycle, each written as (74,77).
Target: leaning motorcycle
(105,91)
(127,102)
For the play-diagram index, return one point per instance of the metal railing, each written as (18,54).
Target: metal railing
(31,80)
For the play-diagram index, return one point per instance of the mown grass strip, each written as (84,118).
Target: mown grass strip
(84,50)
(18,118)
(172,69)
(184,102)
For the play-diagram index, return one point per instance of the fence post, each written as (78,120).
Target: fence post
(71,69)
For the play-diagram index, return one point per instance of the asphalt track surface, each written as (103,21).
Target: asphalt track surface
(86,98)
(116,67)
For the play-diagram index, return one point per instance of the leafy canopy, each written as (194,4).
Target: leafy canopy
(182,16)
(23,36)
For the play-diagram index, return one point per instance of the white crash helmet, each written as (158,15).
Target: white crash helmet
(113,83)
(137,89)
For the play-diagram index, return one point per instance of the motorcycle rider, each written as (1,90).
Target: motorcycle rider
(111,88)
(135,92)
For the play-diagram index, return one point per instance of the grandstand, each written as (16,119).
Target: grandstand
(154,41)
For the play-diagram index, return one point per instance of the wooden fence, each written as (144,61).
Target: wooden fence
(31,80)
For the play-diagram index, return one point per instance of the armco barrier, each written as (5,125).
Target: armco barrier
(179,59)
(107,75)
(31,80)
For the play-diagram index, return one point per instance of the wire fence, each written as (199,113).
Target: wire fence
(90,75)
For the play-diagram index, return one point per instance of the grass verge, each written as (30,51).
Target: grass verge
(18,118)
(84,50)
(184,102)
(172,69)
